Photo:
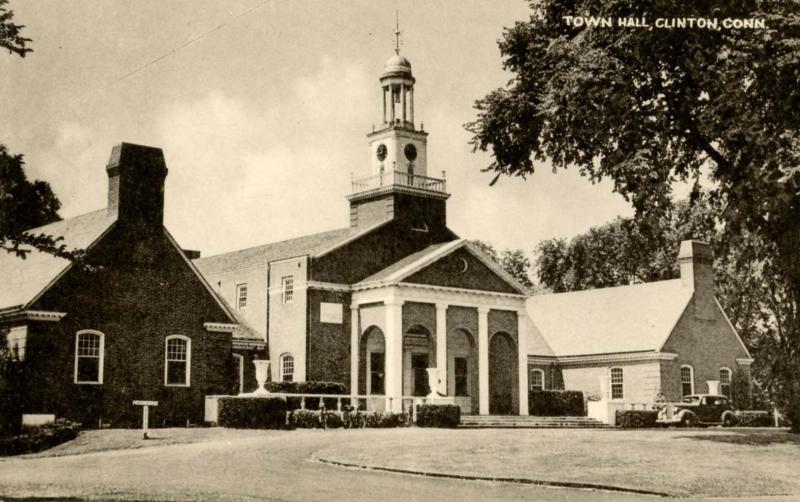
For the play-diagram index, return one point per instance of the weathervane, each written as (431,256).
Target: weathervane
(397,32)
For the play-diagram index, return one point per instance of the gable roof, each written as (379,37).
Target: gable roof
(632,318)
(415,262)
(312,245)
(23,280)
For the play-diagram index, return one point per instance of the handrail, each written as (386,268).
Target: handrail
(400,178)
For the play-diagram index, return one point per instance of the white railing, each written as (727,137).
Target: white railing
(399,178)
(371,402)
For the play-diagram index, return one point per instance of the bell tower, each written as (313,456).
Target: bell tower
(398,185)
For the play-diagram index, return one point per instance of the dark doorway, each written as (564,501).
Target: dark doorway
(419,370)
(502,369)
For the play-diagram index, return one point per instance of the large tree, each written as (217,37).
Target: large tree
(11,33)
(646,107)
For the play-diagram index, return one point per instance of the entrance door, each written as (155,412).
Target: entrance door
(419,371)
(502,368)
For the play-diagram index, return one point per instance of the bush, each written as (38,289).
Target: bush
(740,390)
(438,415)
(311,387)
(556,403)
(755,419)
(39,438)
(635,419)
(252,412)
(308,419)
(386,419)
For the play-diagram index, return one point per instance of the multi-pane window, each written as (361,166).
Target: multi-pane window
(241,296)
(537,379)
(177,361)
(376,372)
(287,368)
(89,357)
(687,380)
(617,390)
(462,387)
(287,289)
(725,382)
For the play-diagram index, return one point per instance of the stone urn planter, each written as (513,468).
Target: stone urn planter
(262,371)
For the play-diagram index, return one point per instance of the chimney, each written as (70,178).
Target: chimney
(136,184)
(696,261)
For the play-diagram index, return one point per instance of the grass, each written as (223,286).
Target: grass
(706,462)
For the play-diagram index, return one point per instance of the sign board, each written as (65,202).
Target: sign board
(331,313)
(145,403)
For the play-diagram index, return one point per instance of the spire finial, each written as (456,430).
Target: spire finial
(397,32)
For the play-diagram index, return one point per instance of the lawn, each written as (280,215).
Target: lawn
(706,462)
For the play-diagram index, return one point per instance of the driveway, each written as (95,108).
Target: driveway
(273,465)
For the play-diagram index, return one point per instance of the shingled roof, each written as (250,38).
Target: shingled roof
(24,279)
(311,245)
(631,318)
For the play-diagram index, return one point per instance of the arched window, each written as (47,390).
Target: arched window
(617,383)
(287,368)
(238,361)
(177,361)
(725,382)
(687,380)
(537,379)
(89,355)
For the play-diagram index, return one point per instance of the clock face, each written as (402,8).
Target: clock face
(381,152)
(411,152)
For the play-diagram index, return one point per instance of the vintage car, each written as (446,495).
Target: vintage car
(698,409)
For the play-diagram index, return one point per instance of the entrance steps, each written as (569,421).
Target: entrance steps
(528,422)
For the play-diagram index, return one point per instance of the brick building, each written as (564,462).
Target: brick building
(143,324)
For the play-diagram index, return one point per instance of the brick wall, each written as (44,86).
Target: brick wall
(328,343)
(449,272)
(141,294)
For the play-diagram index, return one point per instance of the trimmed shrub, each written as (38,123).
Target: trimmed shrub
(252,412)
(34,439)
(438,415)
(308,419)
(386,419)
(556,403)
(635,419)
(755,419)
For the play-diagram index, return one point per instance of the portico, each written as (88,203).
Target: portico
(401,327)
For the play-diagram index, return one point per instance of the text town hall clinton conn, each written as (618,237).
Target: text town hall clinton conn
(374,305)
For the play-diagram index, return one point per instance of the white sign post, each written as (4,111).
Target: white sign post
(145,414)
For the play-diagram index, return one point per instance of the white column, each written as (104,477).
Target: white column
(483,360)
(403,92)
(411,102)
(394,355)
(355,330)
(522,346)
(441,346)
(391,100)
(384,105)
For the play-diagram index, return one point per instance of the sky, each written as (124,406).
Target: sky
(262,110)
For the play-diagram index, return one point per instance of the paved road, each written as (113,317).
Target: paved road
(275,466)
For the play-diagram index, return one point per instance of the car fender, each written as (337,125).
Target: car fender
(681,414)
(729,413)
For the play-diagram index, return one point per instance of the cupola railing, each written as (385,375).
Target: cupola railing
(399,178)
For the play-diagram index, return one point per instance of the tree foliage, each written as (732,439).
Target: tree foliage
(10,33)
(648,107)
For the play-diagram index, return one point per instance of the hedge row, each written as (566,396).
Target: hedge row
(755,419)
(635,419)
(252,413)
(438,415)
(39,438)
(308,419)
(556,403)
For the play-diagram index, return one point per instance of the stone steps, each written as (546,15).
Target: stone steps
(528,422)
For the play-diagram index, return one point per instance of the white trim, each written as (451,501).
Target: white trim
(426,293)
(188,361)
(200,276)
(240,362)
(248,343)
(604,358)
(744,361)
(101,357)
(43,315)
(352,238)
(541,372)
(328,286)
(733,329)
(220,327)
(691,373)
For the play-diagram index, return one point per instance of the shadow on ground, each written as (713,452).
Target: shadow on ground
(751,438)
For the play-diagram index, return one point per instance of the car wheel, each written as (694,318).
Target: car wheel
(729,421)
(689,420)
